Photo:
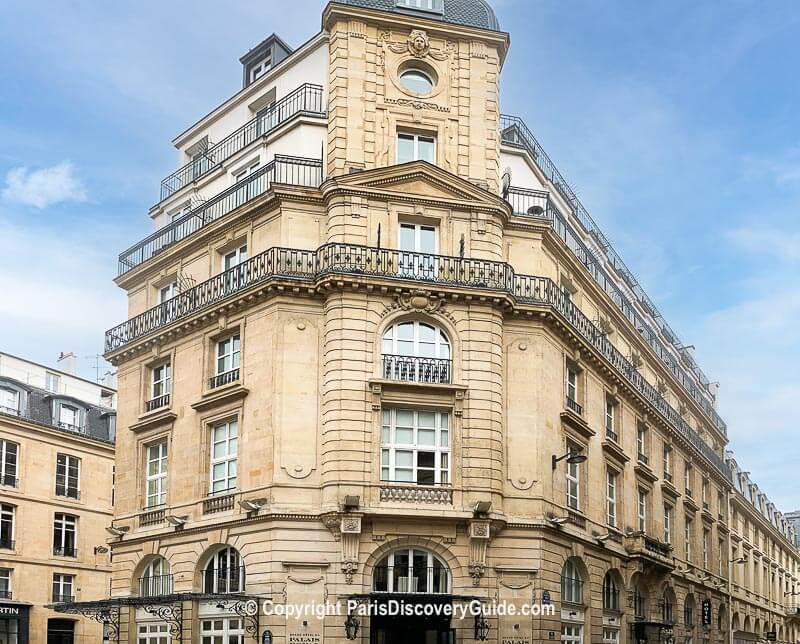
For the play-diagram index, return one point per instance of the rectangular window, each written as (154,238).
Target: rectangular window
(63,588)
(642,510)
(9,456)
(224,444)
(667,523)
(611,497)
(610,636)
(68,474)
(167,292)
(235,257)
(64,535)
(572,383)
(415,147)
(156,478)
(572,633)
(705,549)
(69,416)
(721,557)
(436,6)
(415,446)
(158,633)
(52,382)
(641,443)
(9,401)
(161,380)
(667,463)
(687,478)
(222,630)
(241,175)
(611,418)
(228,354)
(7,513)
(573,475)
(704,493)
(688,528)
(5,585)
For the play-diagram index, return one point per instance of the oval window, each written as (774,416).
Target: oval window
(416,81)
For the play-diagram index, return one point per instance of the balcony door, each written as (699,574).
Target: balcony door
(418,245)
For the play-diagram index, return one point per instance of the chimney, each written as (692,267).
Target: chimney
(67,362)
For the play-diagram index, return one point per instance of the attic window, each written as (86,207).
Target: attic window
(259,68)
(433,6)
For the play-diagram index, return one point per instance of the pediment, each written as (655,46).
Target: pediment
(418,180)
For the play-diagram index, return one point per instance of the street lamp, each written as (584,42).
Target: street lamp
(572,457)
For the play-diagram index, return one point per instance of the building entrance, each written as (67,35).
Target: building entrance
(60,631)
(404,630)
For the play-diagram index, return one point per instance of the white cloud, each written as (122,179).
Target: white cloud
(768,241)
(44,187)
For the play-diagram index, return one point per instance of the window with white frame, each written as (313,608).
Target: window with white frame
(611,418)
(228,354)
(224,444)
(52,382)
(641,443)
(224,572)
(167,292)
(667,463)
(65,531)
(721,557)
(7,514)
(153,633)
(572,633)
(63,587)
(611,497)
(161,383)
(416,351)
(5,583)
(688,472)
(435,6)
(9,401)
(411,571)
(417,238)
(183,209)
(610,635)
(415,147)
(571,583)
(572,382)
(415,446)
(69,416)
(234,257)
(667,523)
(610,593)
(687,533)
(243,173)
(68,475)
(155,579)
(222,630)
(704,493)
(641,509)
(706,546)
(573,481)
(9,463)
(156,476)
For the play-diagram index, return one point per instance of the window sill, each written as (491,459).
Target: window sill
(399,392)
(220,395)
(577,422)
(615,451)
(643,471)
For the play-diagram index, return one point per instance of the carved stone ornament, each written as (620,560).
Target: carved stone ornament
(479,533)
(347,530)
(418,45)
(420,301)
(349,568)
(476,571)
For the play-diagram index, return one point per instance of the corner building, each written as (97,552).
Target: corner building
(377,348)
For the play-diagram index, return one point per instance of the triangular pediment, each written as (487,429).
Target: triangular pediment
(418,180)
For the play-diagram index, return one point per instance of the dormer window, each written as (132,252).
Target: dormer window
(263,57)
(433,6)
(67,415)
(9,401)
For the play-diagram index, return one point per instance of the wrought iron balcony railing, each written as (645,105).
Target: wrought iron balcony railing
(44,417)
(9,480)
(417,369)
(155,585)
(6,594)
(283,169)
(156,403)
(224,580)
(65,551)
(514,132)
(574,406)
(305,100)
(418,579)
(61,598)
(359,261)
(223,378)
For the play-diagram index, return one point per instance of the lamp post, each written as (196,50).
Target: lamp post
(572,457)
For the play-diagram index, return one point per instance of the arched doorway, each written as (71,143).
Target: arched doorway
(413,576)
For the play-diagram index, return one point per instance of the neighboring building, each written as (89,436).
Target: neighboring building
(794,520)
(765,588)
(56,497)
(364,360)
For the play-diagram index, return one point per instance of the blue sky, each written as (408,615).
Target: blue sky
(676,122)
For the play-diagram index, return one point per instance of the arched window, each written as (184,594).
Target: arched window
(668,607)
(411,571)
(571,584)
(639,603)
(155,579)
(688,612)
(416,352)
(224,572)
(610,592)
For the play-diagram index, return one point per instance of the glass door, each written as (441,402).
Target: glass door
(418,244)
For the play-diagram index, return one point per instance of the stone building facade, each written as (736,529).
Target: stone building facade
(56,487)
(377,349)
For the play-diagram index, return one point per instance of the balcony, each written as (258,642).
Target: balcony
(155,585)
(651,550)
(664,342)
(60,598)
(75,429)
(6,594)
(219,503)
(574,406)
(223,378)
(411,493)
(305,100)
(417,369)
(152,517)
(307,267)
(9,480)
(283,169)
(65,551)
(156,403)
(224,580)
